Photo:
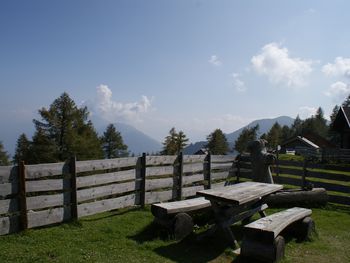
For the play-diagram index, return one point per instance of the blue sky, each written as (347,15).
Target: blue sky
(195,65)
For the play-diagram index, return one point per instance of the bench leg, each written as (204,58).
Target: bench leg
(262,251)
(183,226)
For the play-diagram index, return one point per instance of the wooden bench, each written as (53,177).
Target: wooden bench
(175,216)
(262,239)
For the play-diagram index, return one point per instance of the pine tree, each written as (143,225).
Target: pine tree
(42,149)
(67,128)
(248,134)
(274,135)
(296,127)
(22,152)
(346,102)
(217,142)
(181,141)
(174,143)
(4,157)
(112,143)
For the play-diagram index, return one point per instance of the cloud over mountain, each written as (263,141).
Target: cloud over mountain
(114,111)
(340,67)
(276,63)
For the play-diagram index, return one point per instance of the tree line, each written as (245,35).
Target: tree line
(65,130)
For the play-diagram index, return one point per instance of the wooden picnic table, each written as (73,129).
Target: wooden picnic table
(237,202)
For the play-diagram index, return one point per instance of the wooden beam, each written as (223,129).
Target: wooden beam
(179,176)
(22,196)
(73,188)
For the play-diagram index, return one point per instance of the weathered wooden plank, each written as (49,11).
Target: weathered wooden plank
(328,176)
(45,201)
(245,165)
(218,185)
(194,158)
(107,205)
(159,183)
(48,217)
(9,225)
(193,167)
(8,188)
(183,206)
(8,174)
(219,175)
(338,199)
(275,223)
(9,206)
(221,166)
(192,190)
(286,170)
(98,179)
(47,185)
(85,166)
(155,197)
(298,182)
(159,170)
(223,158)
(189,179)
(106,190)
(161,160)
(36,171)
(242,193)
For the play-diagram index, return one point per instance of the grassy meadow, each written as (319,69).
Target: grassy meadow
(130,236)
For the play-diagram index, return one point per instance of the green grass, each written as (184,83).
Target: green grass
(130,236)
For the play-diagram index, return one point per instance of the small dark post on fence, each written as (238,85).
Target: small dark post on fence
(180,173)
(22,196)
(143,180)
(73,188)
(208,170)
(303,179)
(238,168)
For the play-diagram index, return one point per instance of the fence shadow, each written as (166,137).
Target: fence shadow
(194,248)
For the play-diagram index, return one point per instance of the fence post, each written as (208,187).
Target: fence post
(143,180)
(208,166)
(303,178)
(180,174)
(73,188)
(22,196)
(238,166)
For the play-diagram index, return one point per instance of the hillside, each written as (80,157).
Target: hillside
(264,126)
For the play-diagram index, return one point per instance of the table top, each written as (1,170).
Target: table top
(240,193)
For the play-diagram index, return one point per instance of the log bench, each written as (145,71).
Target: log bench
(175,216)
(262,240)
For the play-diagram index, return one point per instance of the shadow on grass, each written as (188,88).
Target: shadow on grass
(194,248)
(112,213)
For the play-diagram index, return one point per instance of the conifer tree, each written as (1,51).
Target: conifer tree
(174,143)
(217,142)
(4,157)
(248,134)
(68,130)
(274,135)
(113,144)
(22,152)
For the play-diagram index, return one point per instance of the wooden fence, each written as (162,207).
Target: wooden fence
(297,174)
(38,195)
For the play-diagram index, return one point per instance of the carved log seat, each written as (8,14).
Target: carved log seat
(175,216)
(262,239)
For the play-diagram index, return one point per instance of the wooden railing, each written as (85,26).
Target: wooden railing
(44,194)
(336,180)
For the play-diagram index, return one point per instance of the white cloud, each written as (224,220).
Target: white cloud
(215,61)
(275,62)
(340,67)
(113,111)
(238,83)
(306,112)
(338,91)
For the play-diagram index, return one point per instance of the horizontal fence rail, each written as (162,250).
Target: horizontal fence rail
(44,194)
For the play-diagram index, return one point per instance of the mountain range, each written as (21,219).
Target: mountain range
(264,126)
